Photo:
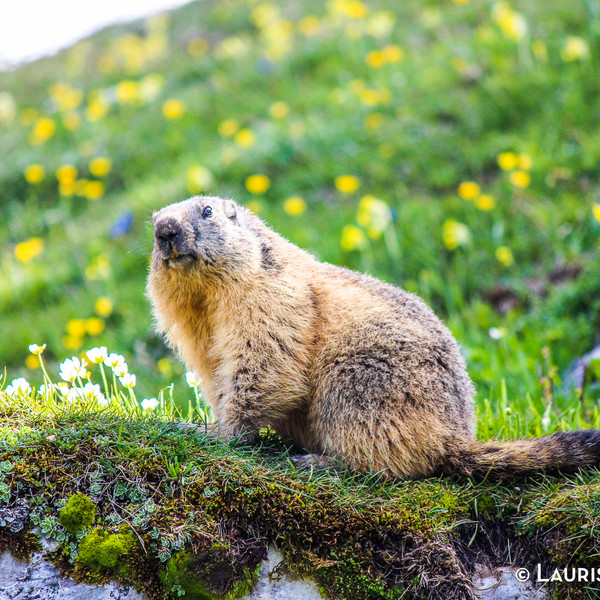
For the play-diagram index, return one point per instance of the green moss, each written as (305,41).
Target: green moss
(99,549)
(208,579)
(78,513)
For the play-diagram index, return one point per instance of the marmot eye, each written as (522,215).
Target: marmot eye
(207,212)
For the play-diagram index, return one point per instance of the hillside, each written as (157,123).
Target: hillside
(449,147)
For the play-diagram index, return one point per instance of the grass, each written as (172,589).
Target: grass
(156,491)
(465,137)
(457,90)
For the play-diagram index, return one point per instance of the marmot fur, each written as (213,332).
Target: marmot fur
(346,366)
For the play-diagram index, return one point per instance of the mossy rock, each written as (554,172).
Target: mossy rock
(205,576)
(102,550)
(78,513)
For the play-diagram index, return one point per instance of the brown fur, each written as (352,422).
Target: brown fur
(343,364)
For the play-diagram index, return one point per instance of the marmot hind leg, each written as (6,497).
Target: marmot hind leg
(369,418)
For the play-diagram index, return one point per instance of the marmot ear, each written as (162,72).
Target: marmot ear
(230,209)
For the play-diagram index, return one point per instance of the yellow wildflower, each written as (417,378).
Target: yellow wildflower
(254,206)
(507,161)
(258,184)
(199,179)
(28,250)
(353,238)
(71,121)
(97,107)
(469,190)
(93,190)
(173,109)
(150,86)
(35,173)
(381,23)
(505,256)
(374,121)
(525,162)
(392,54)
(71,342)
(28,116)
(512,23)
(455,234)
(103,306)
(485,202)
(356,10)
(245,138)
(66,173)
(375,59)
(100,166)
(76,327)
(575,48)
(197,47)
(32,362)
(520,179)
(279,110)
(127,91)
(228,127)
(374,215)
(67,188)
(43,129)
(294,206)
(347,183)
(596,212)
(309,25)
(164,366)
(65,97)
(94,326)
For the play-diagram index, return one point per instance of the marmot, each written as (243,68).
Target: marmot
(345,365)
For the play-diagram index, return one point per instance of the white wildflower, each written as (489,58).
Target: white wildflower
(18,386)
(97,355)
(92,392)
(75,393)
(120,370)
(128,380)
(35,349)
(193,379)
(149,403)
(115,360)
(497,332)
(72,368)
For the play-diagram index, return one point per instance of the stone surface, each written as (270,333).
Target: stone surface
(40,580)
(281,589)
(503,584)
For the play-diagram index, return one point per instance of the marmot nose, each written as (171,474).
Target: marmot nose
(168,232)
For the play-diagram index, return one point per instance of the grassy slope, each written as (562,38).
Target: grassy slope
(462,93)
(162,491)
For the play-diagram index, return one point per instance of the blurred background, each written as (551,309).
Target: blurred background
(450,147)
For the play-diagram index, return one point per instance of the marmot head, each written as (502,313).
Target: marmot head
(204,235)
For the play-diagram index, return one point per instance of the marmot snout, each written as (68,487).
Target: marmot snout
(341,363)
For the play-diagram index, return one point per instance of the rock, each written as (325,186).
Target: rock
(284,588)
(574,375)
(40,580)
(503,583)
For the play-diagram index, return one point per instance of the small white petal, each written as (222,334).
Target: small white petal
(149,403)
